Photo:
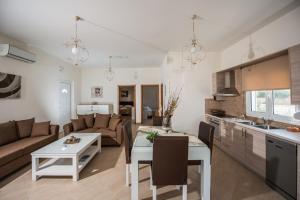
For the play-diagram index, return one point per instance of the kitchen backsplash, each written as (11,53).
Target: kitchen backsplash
(231,105)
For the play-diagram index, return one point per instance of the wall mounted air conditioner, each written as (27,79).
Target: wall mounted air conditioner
(13,52)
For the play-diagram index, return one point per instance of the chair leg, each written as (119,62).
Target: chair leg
(127,174)
(153,192)
(184,192)
(151,182)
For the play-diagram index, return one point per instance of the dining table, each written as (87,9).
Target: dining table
(142,150)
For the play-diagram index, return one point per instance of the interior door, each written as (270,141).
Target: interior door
(64,103)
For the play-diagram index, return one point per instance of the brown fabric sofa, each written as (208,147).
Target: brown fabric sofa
(15,150)
(110,136)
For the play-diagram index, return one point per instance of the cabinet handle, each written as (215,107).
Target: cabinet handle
(279,147)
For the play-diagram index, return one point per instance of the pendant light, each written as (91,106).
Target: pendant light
(193,51)
(79,53)
(109,74)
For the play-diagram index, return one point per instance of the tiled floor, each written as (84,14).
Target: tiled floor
(104,179)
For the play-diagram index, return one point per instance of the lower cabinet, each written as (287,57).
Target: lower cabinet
(256,151)
(246,145)
(239,142)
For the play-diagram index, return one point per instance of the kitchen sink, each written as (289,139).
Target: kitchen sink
(265,127)
(262,126)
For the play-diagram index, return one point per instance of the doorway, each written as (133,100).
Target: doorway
(127,105)
(150,103)
(64,102)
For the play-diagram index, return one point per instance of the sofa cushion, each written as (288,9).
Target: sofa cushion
(8,133)
(88,119)
(78,124)
(9,152)
(40,129)
(101,120)
(105,132)
(21,147)
(34,143)
(113,122)
(24,127)
(88,130)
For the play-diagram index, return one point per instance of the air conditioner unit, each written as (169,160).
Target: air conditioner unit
(13,52)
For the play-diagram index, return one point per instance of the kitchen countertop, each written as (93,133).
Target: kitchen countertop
(279,133)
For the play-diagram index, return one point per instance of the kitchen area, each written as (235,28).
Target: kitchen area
(255,112)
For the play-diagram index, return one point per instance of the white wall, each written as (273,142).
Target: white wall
(278,35)
(40,85)
(196,86)
(123,76)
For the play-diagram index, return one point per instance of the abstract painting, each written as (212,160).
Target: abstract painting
(97,92)
(10,86)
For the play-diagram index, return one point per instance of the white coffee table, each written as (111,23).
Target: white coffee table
(65,159)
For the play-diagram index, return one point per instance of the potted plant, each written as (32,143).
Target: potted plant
(151,135)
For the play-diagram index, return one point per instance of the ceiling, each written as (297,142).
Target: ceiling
(152,27)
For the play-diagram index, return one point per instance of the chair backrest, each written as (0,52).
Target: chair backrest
(206,134)
(127,131)
(157,121)
(170,160)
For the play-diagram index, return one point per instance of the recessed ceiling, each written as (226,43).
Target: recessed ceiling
(163,24)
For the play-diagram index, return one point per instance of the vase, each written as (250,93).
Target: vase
(167,123)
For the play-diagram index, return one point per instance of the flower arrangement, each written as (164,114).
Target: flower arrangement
(170,109)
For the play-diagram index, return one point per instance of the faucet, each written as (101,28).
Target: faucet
(266,122)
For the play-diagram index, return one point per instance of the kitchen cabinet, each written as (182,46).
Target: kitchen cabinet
(294,60)
(238,143)
(227,136)
(255,151)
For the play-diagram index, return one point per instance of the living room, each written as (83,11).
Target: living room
(69,131)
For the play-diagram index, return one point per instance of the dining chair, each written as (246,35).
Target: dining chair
(157,120)
(206,135)
(170,161)
(128,143)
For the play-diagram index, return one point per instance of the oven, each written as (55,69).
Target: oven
(215,122)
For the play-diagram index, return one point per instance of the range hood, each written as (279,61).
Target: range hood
(229,89)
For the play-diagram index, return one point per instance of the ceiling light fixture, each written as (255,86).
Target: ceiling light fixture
(79,53)
(194,50)
(109,74)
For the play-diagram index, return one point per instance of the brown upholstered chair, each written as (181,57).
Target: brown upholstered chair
(170,161)
(128,143)
(206,135)
(157,121)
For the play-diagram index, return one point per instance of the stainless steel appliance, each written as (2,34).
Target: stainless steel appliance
(216,123)
(281,166)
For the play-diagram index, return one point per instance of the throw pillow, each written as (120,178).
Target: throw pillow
(78,124)
(40,129)
(25,127)
(101,120)
(88,119)
(113,122)
(8,133)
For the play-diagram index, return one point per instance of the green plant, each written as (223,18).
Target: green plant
(151,135)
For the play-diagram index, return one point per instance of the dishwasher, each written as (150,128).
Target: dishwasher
(281,166)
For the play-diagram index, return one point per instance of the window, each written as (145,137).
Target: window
(259,101)
(282,103)
(271,104)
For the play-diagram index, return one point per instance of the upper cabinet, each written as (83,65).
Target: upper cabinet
(294,59)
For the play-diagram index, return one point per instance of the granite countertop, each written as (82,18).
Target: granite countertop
(279,133)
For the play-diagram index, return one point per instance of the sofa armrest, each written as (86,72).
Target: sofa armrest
(120,133)
(54,130)
(68,128)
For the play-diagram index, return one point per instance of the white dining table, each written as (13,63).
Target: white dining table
(143,149)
